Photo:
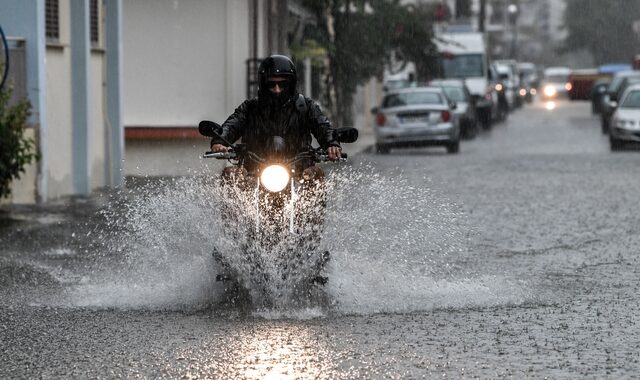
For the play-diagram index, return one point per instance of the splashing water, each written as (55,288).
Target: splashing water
(390,244)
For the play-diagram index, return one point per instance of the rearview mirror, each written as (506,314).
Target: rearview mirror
(346,135)
(209,128)
(374,110)
(454,105)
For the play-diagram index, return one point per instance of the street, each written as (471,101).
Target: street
(517,257)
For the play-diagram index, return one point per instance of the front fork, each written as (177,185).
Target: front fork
(290,205)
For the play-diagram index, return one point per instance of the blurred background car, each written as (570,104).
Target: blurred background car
(555,83)
(418,116)
(458,92)
(497,91)
(625,122)
(506,84)
(610,99)
(581,83)
(598,90)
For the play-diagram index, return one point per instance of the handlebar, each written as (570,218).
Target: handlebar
(318,156)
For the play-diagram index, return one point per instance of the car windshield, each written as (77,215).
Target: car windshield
(632,100)
(455,93)
(557,78)
(396,83)
(462,66)
(411,98)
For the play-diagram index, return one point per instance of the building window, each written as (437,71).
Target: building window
(94,16)
(52,21)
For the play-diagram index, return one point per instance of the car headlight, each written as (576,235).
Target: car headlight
(549,91)
(274,178)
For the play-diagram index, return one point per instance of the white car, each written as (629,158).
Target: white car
(418,116)
(625,123)
(555,83)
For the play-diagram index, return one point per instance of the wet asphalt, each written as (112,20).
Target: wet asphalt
(528,242)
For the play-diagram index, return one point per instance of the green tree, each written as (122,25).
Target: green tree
(16,150)
(358,37)
(602,27)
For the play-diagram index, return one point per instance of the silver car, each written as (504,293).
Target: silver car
(625,122)
(418,116)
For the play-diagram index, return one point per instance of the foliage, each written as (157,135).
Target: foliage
(16,150)
(604,28)
(359,37)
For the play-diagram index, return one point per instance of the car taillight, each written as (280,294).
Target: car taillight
(380,119)
(445,115)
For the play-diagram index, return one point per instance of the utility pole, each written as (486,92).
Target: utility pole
(482,14)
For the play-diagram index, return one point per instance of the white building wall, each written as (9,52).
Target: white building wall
(183,60)
(59,113)
(58,96)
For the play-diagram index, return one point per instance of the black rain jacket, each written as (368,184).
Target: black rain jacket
(256,124)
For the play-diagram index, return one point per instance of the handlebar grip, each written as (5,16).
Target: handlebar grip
(343,155)
(219,155)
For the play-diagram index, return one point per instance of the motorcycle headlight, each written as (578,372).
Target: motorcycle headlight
(274,178)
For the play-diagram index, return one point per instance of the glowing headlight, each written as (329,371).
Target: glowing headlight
(549,91)
(523,92)
(274,178)
(498,87)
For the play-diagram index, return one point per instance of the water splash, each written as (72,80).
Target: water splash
(393,247)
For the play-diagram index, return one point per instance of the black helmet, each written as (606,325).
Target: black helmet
(277,65)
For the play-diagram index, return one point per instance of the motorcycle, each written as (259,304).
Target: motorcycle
(273,209)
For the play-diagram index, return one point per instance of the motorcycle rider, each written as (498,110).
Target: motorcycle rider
(279,110)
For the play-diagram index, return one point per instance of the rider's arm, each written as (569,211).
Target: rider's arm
(322,130)
(232,128)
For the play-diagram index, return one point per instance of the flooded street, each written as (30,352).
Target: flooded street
(518,257)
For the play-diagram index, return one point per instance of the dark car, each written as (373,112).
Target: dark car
(598,91)
(458,92)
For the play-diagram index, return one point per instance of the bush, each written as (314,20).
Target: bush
(16,150)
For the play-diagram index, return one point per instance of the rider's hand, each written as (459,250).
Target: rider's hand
(219,148)
(334,152)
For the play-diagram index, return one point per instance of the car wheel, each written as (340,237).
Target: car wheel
(382,149)
(471,129)
(605,125)
(614,143)
(453,147)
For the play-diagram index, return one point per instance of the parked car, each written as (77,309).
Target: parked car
(497,93)
(507,79)
(418,116)
(555,83)
(625,122)
(611,97)
(597,95)
(458,92)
